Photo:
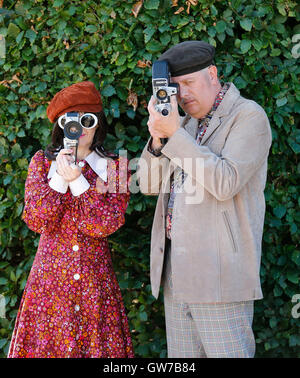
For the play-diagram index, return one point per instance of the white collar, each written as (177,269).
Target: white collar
(96,162)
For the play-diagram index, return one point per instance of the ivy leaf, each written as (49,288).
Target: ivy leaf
(279,211)
(281,101)
(221,26)
(151,4)
(245,45)
(41,86)
(212,31)
(149,31)
(3,281)
(154,46)
(281,9)
(294,145)
(246,24)
(31,35)
(240,82)
(165,40)
(275,52)
(58,3)
(293,276)
(132,146)
(91,29)
(257,43)
(277,291)
(108,91)
(143,316)
(13,30)
(296,257)
(16,151)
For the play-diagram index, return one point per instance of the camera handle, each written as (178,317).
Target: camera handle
(71,143)
(76,149)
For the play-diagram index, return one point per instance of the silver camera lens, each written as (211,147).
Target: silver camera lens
(161,94)
(73,130)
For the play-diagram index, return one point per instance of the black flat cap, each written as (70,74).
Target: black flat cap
(188,57)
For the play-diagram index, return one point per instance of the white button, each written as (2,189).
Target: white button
(81,164)
(77,308)
(76,276)
(75,247)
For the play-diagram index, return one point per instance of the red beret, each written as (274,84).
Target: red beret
(82,97)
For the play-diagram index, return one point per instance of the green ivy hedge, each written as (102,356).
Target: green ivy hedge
(47,45)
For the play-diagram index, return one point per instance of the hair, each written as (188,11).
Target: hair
(206,73)
(57,137)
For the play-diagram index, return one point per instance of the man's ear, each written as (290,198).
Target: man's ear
(213,74)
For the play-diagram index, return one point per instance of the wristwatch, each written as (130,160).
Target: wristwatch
(155,152)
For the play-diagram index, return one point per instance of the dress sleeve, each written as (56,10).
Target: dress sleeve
(99,212)
(44,206)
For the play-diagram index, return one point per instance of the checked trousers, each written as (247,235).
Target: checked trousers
(213,330)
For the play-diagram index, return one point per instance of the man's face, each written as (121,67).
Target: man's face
(197,91)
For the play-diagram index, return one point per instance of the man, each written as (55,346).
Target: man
(208,250)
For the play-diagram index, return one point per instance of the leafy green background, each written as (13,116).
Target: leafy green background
(52,44)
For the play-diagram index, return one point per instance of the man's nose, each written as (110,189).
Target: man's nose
(183,91)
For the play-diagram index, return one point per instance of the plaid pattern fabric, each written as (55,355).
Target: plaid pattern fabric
(216,330)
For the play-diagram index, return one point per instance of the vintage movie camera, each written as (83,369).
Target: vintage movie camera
(162,88)
(70,123)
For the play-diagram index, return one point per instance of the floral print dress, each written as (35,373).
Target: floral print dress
(72,304)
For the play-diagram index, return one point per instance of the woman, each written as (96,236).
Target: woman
(72,305)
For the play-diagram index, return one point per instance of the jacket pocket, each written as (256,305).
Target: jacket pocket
(229,230)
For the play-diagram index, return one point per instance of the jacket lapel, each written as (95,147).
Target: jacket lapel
(190,125)
(223,109)
(213,125)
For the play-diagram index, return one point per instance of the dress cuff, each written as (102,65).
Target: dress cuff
(58,183)
(79,186)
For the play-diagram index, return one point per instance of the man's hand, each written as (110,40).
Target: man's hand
(160,126)
(64,169)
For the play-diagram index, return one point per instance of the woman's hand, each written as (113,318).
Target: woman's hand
(64,168)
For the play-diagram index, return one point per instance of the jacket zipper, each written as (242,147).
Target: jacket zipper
(229,229)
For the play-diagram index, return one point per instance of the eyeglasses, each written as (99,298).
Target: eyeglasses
(87,120)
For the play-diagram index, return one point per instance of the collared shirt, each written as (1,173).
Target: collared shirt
(80,185)
(178,177)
